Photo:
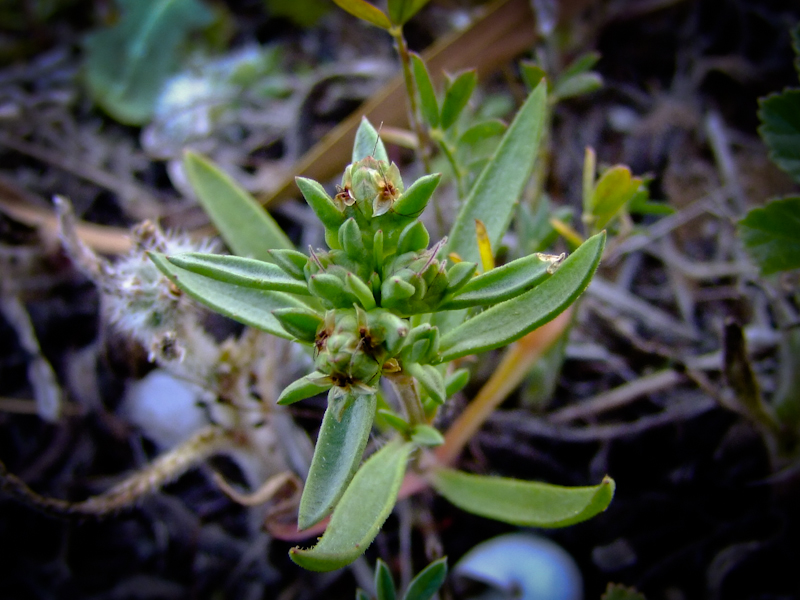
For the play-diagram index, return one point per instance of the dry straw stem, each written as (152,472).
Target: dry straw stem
(164,469)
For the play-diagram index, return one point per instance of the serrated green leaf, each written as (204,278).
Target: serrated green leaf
(428,102)
(523,503)
(428,581)
(245,272)
(780,129)
(496,192)
(247,305)
(384,584)
(365,11)
(128,64)
(508,321)
(501,283)
(614,189)
(246,227)
(361,512)
(772,235)
(303,388)
(340,446)
(368,143)
(457,94)
(400,11)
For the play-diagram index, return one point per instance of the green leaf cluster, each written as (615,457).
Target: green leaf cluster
(772,234)
(423,587)
(383,302)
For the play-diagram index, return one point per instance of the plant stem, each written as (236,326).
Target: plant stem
(411,94)
(406,389)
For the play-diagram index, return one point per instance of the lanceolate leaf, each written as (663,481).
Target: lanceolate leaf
(246,272)
(368,143)
(508,321)
(247,305)
(499,187)
(524,503)
(428,581)
(366,12)
(772,235)
(402,10)
(337,455)
(384,584)
(246,227)
(502,283)
(427,95)
(780,129)
(612,191)
(456,97)
(360,513)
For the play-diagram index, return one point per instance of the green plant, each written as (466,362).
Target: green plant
(367,309)
(423,587)
(771,236)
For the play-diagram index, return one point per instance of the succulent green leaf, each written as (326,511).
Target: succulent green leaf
(400,11)
(780,129)
(393,420)
(365,11)
(430,379)
(291,261)
(127,64)
(340,446)
(243,223)
(502,283)
(508,321)
(414,200)
(459,275)
(361,512)
(614,189)
(577,85)
(329,288)
(368,143)
(321,203)
(360,290)
(413,238)
(245,272)
(425,435)
(523,503)
(250,306)
(456,381)
(428,581)
(302,323)
(772,235)
(496,192)
(303,388)
(384,584)
(456,96)
(428,102)
(351,241)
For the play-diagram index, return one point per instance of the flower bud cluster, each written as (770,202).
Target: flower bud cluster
(378,272)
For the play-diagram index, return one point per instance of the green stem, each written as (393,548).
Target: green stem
(406,389)
(457,173)
(411,93)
